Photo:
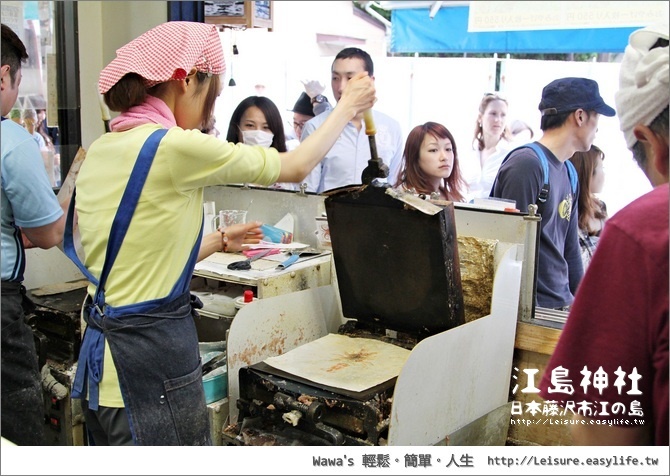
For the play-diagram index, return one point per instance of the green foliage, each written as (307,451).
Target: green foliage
(385,13)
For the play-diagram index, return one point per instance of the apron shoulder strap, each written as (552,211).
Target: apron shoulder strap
(91,354)
(123,215)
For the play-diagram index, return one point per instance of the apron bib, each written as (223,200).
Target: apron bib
(154,343)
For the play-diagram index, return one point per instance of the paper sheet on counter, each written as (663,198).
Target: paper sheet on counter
(350,363)
(278,246)
(217,263)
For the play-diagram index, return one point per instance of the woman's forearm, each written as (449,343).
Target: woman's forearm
(358,96)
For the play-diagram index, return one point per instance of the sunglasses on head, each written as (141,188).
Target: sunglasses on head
(497,95)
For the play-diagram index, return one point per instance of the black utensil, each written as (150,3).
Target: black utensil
(216,362)
(375,168)
(245,265)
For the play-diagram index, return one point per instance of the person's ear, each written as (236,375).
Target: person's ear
(4,75)
(656,147)
(190,77)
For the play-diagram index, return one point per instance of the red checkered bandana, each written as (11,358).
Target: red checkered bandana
(167,52)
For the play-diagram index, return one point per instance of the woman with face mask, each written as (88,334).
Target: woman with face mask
(257,121)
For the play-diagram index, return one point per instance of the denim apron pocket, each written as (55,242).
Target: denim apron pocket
(181,392)
(158,364)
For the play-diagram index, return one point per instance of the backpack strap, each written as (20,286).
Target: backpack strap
(544,191)
(572,173)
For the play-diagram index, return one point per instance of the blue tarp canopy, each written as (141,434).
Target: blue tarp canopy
(412,31)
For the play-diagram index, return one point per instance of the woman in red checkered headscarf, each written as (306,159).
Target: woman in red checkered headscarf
(139,204)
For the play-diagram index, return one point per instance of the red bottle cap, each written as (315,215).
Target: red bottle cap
(248,295)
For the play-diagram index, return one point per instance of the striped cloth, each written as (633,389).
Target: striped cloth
(167,52)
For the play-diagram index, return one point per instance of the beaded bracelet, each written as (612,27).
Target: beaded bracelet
(224,242)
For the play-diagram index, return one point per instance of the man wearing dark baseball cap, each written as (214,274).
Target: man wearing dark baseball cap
(570,108)
(569,94)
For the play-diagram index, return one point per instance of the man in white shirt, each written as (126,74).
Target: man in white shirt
(344,163)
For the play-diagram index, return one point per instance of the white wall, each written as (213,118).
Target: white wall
(104,27)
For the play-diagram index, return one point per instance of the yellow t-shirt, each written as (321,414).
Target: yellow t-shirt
(167,220)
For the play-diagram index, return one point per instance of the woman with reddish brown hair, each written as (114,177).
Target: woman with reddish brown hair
(430,164)
(592,210)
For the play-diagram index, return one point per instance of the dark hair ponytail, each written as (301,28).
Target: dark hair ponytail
(129,91)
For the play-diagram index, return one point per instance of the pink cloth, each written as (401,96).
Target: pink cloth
(167,52)
(255,251)
(151,111)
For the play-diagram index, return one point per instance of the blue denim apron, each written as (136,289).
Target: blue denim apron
(154,343)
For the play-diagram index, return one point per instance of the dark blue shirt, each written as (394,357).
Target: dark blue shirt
(559,264)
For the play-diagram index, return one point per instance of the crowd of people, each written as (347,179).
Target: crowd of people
(502,161)
(139,293)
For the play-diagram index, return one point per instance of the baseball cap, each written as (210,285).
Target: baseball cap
(304,105)
(569,94)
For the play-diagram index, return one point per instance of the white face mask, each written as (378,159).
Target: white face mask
(257,137)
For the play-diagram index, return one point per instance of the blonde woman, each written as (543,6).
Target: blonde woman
(491,142)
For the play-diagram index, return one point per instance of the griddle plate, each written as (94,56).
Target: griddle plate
(397,267)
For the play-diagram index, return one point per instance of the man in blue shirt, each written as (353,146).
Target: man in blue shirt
(344,163)
(570,110)
(29,210)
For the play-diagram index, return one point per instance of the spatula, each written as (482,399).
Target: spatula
(296,254)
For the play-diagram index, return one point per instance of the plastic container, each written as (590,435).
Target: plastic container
(215,384)
(323,234)
(207,347)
